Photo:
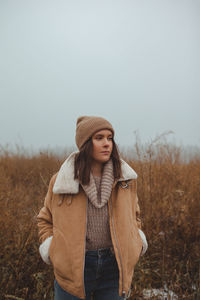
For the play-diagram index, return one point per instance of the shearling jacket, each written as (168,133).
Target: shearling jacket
(62,226)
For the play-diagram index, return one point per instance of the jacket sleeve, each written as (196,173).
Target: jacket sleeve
(44,218)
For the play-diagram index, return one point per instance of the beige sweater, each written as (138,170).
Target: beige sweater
(98,230)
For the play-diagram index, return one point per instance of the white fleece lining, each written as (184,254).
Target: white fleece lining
(44,250)
(144,242)
(65,182)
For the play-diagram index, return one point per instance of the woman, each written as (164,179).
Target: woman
(89,227)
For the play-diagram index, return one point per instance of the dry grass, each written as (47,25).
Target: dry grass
(168,190)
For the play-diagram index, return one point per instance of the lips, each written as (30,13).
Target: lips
(105,152)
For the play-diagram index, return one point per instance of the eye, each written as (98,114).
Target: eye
(98,137)
(110,138)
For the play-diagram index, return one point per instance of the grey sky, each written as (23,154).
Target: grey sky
(136,63)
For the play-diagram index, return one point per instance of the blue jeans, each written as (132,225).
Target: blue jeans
(101,277)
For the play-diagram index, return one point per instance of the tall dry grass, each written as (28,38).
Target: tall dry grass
(168,190)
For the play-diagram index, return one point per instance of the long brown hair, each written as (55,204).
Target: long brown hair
(83,162)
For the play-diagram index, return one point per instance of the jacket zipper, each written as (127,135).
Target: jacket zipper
(84,249)
(113,225)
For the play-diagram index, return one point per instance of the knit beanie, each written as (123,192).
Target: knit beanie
(86,126)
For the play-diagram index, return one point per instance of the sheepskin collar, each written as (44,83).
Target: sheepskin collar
(66,184)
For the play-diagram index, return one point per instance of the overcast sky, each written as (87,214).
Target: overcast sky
(136,63)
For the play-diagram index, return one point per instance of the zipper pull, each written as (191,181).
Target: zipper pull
(124,294)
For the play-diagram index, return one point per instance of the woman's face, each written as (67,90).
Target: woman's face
(102,145)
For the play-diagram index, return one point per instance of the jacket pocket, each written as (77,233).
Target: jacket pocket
(60,256)
(136,243)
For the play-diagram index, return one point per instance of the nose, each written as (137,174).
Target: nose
(106,142)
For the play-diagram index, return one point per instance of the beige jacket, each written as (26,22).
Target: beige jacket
(62,226)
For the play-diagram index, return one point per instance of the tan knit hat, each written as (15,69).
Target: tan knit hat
(86,126)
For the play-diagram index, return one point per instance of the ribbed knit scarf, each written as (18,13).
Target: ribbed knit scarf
(107,180)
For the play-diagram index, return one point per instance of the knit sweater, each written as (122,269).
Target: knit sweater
(98,230)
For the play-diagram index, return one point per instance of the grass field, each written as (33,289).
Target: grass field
(169,195)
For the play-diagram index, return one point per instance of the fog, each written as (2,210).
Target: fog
(136,63)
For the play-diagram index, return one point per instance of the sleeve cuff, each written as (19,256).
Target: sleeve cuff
(144,242)
(44,250)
